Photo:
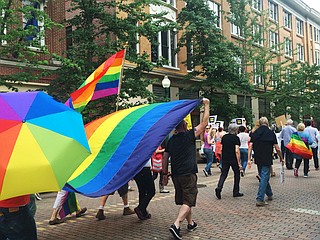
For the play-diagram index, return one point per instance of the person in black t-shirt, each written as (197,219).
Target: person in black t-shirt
(230,158)
(181,148)
(263,141)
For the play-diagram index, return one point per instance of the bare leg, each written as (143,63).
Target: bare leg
(125,199)
(184,212)
(103,201)
(54,214)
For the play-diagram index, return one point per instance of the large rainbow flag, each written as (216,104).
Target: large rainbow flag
(297,146)
(122,143)
(103,82)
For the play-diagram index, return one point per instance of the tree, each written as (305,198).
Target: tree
(213,59)
(262,51)
(99,29)
(19,41)
(298,92)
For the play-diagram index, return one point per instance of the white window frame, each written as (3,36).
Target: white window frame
(273,40)
(258,78)
(4,42)
(299,25)
(317,57)
(287,76)
(169,53)
(273,11)
(287,19)
(287,47)
(171,2)
(216,8)
(257,32)
(256,5)
(272,76)
(40,36)
(317,35)
(300,52)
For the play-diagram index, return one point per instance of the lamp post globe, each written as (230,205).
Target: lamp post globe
(166,85)
(166,82)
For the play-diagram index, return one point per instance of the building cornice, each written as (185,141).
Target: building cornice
(303,9)
(21,64)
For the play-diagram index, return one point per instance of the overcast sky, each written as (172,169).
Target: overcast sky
(313,4)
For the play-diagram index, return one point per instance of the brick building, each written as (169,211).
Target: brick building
(54,40)
(299,30)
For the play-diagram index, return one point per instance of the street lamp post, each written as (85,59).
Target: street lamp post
(166,85)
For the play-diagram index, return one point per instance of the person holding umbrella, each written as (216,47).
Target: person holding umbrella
(16,221)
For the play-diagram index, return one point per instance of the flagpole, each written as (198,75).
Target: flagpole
(120,78)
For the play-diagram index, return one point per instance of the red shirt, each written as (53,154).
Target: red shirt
(15,202)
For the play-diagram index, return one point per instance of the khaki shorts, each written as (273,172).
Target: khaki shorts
(186,190)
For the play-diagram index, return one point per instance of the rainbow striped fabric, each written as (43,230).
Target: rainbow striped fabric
(122,143)
(103,82)
(69,205)
(297,146)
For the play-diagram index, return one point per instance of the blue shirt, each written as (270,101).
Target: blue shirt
(286,134)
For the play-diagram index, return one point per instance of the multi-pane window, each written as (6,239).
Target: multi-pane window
(274,74)
(216,8)
(287,19)
(310,30)
(34,23)
(171,2)
(167,43)
(189,55)
(316,35)
(299,26)
(273,40)
(257,34)
(258,77)
(257,5)
(287,47)
(273,10)
(288,76)
(300,52)
(317,57)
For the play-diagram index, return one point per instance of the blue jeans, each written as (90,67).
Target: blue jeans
(209,156)
(264,186)
(244,158)
(18,225)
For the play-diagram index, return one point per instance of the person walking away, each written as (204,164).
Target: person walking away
(285,134)
(244,145)
(123,192)
(230,158)
(305,137)
(146,189)
(16,221)
(313,132)
(218,138)
(207,150)
(181,148)
(63,201)
(263,141)
(156,161)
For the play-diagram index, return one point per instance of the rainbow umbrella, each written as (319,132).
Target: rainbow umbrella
(42,142)
(122,143)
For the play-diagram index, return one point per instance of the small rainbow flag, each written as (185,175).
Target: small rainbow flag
(298,146)
(103,82)
(69,205)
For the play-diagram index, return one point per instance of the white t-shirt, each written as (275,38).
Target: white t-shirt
(244,139)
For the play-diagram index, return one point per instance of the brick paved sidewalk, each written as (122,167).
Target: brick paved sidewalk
(293,214)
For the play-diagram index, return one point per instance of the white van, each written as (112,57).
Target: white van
(239,122)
